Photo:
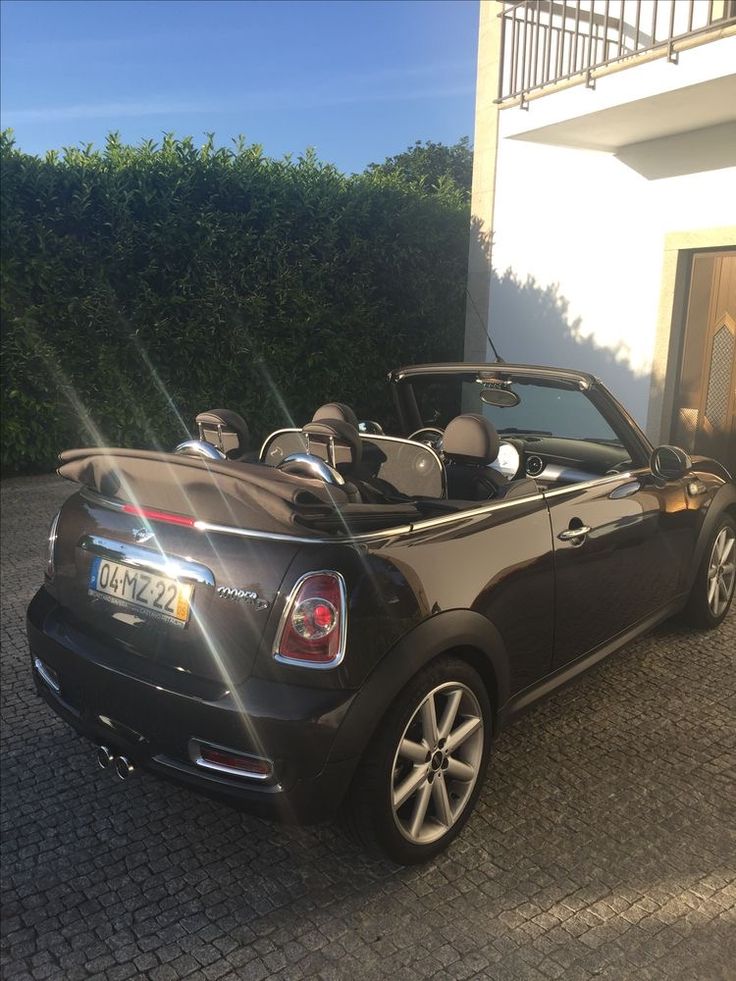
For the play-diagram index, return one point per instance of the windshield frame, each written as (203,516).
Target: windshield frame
(615,415)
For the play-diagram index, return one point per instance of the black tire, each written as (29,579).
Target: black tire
(699,612)
(382,773)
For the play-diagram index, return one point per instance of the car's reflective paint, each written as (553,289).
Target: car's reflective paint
(495,582)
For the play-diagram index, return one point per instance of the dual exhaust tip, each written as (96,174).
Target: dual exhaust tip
(121,764)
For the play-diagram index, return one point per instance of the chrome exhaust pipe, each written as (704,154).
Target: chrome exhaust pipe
(104,757)
(123,767)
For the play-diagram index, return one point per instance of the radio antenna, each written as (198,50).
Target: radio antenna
(499,359)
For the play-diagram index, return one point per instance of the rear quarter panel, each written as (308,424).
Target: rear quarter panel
(496,564)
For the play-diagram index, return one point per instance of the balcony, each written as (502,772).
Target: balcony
(653,81)
(548,42)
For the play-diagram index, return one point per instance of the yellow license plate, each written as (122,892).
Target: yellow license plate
(162,596)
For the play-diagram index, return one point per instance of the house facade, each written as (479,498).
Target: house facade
(604,203)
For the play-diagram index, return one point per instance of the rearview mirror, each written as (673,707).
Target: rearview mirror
(502,398)
(670,463)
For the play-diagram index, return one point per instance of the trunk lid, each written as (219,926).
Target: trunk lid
(232,583)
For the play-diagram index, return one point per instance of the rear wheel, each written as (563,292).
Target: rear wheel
(713,588)
(420,777)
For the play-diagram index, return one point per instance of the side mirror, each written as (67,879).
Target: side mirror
(670,463)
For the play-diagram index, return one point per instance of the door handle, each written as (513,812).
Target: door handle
(574,534)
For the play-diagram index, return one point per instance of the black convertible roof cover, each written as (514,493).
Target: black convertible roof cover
(226,493)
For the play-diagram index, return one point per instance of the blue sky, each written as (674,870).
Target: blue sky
(356,80)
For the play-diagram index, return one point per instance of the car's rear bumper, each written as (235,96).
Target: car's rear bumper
(292,726)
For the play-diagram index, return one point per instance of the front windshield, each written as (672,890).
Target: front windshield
(543,409)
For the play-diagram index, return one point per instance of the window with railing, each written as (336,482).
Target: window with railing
(549,41)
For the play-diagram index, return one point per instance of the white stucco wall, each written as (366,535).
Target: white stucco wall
(584,220)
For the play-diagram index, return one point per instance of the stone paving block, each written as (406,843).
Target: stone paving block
(602,845)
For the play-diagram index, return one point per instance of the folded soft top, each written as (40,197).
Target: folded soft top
(243,495)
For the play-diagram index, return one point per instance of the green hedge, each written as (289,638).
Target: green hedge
(141,285)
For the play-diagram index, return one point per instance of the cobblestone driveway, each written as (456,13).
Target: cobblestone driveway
(603,846)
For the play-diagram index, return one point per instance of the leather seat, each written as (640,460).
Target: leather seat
(470,443)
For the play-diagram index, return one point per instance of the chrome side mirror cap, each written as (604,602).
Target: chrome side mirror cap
(670,463)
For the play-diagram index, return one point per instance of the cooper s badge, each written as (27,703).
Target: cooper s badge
(242,595)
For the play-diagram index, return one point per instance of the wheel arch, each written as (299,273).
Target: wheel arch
(724,502)
(459,633)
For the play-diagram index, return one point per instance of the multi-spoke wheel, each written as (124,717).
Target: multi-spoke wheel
(436,764)
(422,774)
(721,571)
(713,588)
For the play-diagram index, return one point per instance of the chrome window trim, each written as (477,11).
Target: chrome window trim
(342,640)
(195,754)
(94,497)
(398,531)
(182,570)
(586,484)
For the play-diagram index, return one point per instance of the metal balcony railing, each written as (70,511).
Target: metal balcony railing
(544,42)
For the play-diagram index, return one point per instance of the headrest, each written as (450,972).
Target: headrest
(346,438)
(336,410)
(234,429)
(471,438)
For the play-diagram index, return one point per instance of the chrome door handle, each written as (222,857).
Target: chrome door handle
(572,534)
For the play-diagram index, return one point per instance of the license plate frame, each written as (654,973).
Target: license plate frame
(134,588)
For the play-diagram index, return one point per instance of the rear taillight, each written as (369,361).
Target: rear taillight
(314,622)
(51,547)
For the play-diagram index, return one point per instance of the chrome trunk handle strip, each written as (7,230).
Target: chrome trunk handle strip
(183,570)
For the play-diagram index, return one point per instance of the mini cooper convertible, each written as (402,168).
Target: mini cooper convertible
(342,621)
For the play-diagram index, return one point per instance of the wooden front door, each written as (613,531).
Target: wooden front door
(705,410)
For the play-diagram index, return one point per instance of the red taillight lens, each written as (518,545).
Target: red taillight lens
(313,626)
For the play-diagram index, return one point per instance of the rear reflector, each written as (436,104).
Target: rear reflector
(153,515)
(228,761)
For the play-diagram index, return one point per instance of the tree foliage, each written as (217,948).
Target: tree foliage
(143,284)
(433,167)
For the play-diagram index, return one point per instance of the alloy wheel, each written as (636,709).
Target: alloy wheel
(721,571)
(436,763)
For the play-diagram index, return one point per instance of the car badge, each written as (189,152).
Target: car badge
(243,596)
(141,535)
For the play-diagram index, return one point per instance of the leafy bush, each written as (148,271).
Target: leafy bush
(143,284)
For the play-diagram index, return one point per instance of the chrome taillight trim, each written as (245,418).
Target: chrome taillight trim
(183,570)
(343,625)
(195,753)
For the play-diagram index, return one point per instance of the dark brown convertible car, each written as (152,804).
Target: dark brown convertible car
(344,620)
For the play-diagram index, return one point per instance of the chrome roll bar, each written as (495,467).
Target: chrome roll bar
(200,447)
(310,465)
